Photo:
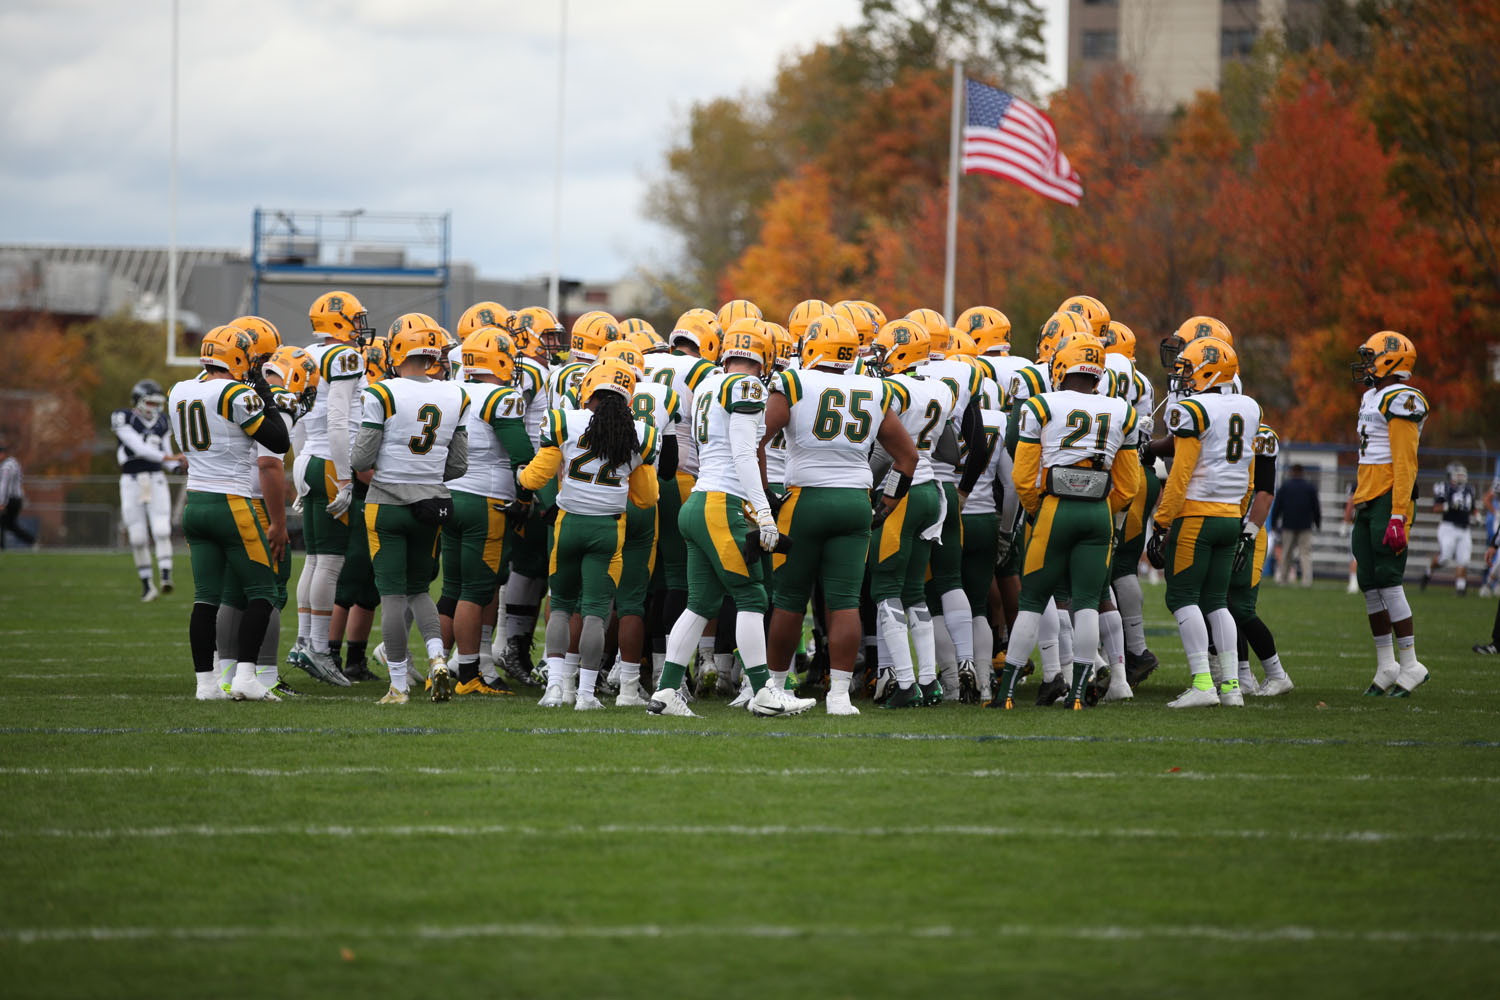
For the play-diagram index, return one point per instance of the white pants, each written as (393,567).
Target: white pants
(1454,544)
(146,509)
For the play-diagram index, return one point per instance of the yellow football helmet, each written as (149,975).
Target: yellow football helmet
(417,341)
(1077,354)
(752,340)
(480,315)
(378,359)
(626,351)
(784,343)
(226,347)
(412,321)
(803,313)
(444,367)
(610,375)
(898,346)
(989,327)
(960,344)
(635,325)
(860,317)
(295,367)
(535,331)
(707,315)
(265,339)
(1090,309)
(1058,326)
(736,309)
(1119,339)
(876,313)
(591,332)
(648,342)
(1190,330)
(937,330)
(1205,363)
(1386,353)
(700,331)
(831,343)
(341,316)
(490,351)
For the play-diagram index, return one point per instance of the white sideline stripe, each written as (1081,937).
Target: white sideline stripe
(1106,932)
(752,772)
(738,830)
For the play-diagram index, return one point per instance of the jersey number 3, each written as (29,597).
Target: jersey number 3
(432,419)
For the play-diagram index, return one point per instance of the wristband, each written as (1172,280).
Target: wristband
(895,485)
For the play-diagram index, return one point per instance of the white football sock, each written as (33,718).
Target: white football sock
(1112,638)
(1132,603)
(1023,638)
(1273,667)
(750,636)
(958,620)
(1047,643)
(922,639)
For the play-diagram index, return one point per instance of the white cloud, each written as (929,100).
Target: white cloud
(381,104)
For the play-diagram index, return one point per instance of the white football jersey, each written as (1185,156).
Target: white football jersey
(658,405)
(1028,379)
(491,472)
(564,383)
(834,421)
(682,373)
(926,405)
(212,420)
(336,362)
(982,498)
(1073,427)
(531,382)
(966,381)
(288,404)
(1125,383)
(1003,368)
(587,486)
(718,396)
(776,458)
(420,418)
(1377,408)
(1226,426)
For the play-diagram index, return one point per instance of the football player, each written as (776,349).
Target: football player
(538,338)
(1196,528)
(476,541)
(608,457)
(340,321)
(832,419)
(218,423)
(1453,501)
(722,547)
(413,437)
(656,404)
(1244,581)
(145,499)
(1075,469)
(1391,415)
(901,548)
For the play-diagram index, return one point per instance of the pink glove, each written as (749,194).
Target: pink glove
(1395,534)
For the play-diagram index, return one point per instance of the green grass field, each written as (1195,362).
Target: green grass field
(1321,844)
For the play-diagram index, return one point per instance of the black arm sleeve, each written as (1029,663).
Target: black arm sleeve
(972,432)
(1265,474)
(272,431)
(666,462)
(1013,431)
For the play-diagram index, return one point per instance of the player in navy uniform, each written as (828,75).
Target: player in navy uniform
(145,500)
(1453,501)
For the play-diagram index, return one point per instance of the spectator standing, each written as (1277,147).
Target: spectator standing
(1296,517)
(12,498)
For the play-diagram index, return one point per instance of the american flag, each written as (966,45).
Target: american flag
(1009,138)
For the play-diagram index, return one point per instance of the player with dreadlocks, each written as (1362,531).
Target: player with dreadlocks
(608,457)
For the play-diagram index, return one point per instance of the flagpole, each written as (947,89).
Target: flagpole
(554,280)
(949,265)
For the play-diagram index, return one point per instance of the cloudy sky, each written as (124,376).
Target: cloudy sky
(396,105)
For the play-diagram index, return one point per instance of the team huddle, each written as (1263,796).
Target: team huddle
(945,512)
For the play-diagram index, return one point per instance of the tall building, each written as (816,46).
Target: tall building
(1174,48)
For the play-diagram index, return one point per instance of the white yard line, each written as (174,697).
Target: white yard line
(1289,934)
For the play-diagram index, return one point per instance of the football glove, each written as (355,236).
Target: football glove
(881,512)
(340,503)
(775,500)
(1245,548)
(1002,546)
(769,535)
(1395,534)
(1156,547)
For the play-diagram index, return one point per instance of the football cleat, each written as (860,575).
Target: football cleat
(1194,698)
(932,692)
(166,584)
(359,671)
(321,666)
(394,697)
(1051,691)
(742,700)
(1385,678)
(668,701)
(1139,666)
(587,703)
(553,698)
(772,701)
(1097,687)
(1486,648)
(149,594)
(1076,705)
(839,704)
(1274,686)
(212,693)
(440,681)
(1409,680)
(885,684)
(968,683)
(249,689)
(1232,697)
(630,697)
(903,697)
(285,690)
(298,653)
(707,681)
(479,685)
(1118,691)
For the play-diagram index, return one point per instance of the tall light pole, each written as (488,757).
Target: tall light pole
(554,286)
(172,208)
